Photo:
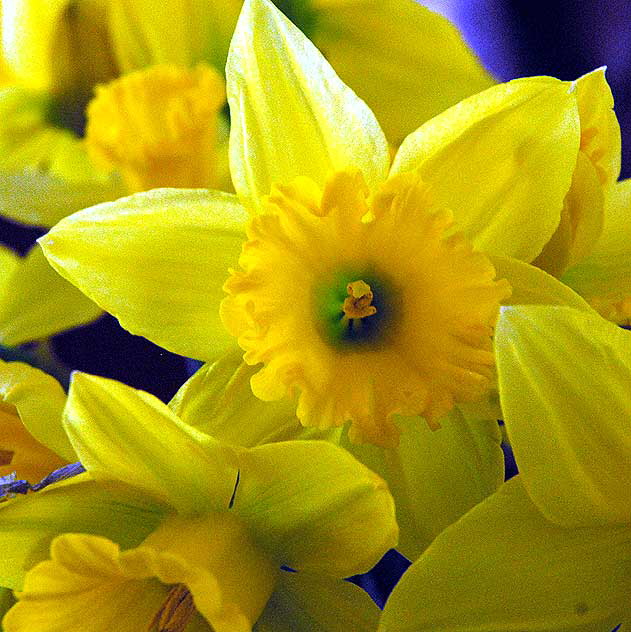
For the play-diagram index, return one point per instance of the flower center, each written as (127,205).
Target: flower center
(353,314)
(158,126)
(363,308)
(175,612)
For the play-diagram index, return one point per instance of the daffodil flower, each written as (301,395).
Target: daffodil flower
(222,527)
(354,290)
(32,442)
(551,550)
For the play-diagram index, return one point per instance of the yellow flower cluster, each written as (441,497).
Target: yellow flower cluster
(369,302)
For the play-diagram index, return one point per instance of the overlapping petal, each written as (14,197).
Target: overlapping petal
(281,127)
(605,275)
(27,525)
(39,401)
(502,161)
(315,517)
(162,282)
(218,400)
(436,476)
(126,435)
(305,602)
(504,567)
(564,380)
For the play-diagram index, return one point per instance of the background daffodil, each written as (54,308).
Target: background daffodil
(224,514)
(32,442)
(551,550)
(312,165)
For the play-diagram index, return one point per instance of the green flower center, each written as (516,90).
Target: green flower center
(355,310)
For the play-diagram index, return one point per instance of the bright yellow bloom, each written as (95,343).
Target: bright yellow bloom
(312,166)
(363,319)
(196,526)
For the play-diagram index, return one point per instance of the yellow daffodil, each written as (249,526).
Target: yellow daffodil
(221,527)
(551,550)
(354,290)
(32,442)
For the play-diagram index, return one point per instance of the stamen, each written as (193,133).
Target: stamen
(176,611)
(358,303)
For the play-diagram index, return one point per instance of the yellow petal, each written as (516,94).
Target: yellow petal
(84,577)
(156,261)
(533,286)
(38,400)
(9,263)
(218,400)
(436,476)
(406,61)
(502,161)
(33,196)
(38,303)
(123,434)
(290,113)
(58,45)
(581,222)
(564,386)
(158,126)
(177,32)
(334,516)
(604,277)
(600,131)
(306,602)
(504,567)
(28,524)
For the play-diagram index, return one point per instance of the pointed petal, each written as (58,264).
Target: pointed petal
(533,286)
(39,401)
(290,113)
(605,275)
(127,435)
(427,68)
(218,400)
(334,516)
(38,303)
(564,386)
(514,148)
(32,196)
(504,567)
(157,261)
(28,524)
(305,602)
(600,131)
(436,476)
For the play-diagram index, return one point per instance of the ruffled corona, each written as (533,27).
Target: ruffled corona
(363,309)
(158,126)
